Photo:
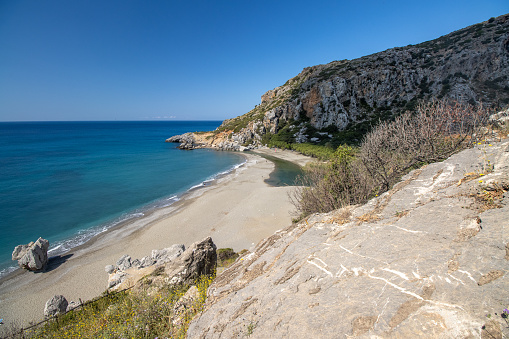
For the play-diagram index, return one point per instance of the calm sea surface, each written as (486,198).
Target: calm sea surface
(68,181)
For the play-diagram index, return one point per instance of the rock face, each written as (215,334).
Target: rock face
(220,141)
(468,65)
(33,256)
(125,266)
(427,259)
(199,259)
(56,305)
(173,265)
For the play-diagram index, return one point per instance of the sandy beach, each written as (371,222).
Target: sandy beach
(238,211)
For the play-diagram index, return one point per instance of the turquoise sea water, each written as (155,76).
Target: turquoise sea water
(68,181)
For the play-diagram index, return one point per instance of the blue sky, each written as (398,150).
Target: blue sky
(192,60)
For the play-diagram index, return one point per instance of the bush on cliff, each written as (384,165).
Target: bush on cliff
(128,314)
(435,131)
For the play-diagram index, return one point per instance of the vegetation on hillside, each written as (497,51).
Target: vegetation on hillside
(321,143)
(353,175)
(339,102)
(127,314)
(132,313)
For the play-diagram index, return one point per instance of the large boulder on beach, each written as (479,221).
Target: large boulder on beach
(174,265)
(146,262)
(117,278)
(56,305)
(33,256)
(199,259)
(109,269)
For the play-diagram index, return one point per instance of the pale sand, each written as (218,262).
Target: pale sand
(237,212)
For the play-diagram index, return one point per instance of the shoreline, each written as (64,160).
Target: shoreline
(131,217)
(237,211)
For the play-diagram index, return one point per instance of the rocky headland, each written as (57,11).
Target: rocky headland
(339,101)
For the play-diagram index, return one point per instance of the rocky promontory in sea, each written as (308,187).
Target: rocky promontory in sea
(429,258)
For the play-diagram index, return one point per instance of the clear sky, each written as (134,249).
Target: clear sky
(193,60)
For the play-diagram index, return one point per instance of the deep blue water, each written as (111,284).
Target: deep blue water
(66,181)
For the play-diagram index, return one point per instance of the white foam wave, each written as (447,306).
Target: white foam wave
(7,270)
(84,235)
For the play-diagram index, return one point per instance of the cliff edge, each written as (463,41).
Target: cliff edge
(428,258)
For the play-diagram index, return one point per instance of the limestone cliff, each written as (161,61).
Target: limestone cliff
(429,258)
(471,65)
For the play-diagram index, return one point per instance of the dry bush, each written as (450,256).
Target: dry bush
(340,182)
(435,131)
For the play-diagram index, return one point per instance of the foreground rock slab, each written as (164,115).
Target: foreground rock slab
(33,256)
(429,258)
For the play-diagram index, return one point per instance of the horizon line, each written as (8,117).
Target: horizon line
(152,120)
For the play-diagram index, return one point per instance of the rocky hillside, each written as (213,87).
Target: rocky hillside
(429,258)
(339,101)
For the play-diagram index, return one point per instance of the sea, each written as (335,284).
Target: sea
(70,181)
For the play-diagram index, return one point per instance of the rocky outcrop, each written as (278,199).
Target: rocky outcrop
(425,259)
(219,141)
(468,65)
(56,305)
(187,141)
(172,265)
(33,256)
(125,267)
(199,259)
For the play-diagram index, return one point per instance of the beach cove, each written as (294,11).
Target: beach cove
(237,211)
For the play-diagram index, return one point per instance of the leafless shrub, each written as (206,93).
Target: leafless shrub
(435,131)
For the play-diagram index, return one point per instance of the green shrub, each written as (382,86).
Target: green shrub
(332,185)
(226,257)
(127,314)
